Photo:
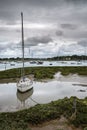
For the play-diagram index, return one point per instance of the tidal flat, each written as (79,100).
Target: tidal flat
(44,91)
(67,79)
(39,73)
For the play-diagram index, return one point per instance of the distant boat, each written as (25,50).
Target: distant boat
(79,62)
(25,83)
(12,64)
(50,64)
(63,62)
(39,62)
(33,62)
(72,62)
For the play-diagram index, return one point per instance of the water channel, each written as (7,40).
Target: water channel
(42,92)
(10,65)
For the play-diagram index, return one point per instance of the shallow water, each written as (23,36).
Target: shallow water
(42,92)
(5,66)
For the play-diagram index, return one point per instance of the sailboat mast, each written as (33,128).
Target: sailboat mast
(22,43)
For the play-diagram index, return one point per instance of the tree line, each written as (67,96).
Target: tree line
(73,57)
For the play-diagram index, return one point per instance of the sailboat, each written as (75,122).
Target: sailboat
(25,83)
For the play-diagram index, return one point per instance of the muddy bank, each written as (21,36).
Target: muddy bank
(14,80)
(9,80)
(71,78)
(58,124)
(41,72)
(80,80)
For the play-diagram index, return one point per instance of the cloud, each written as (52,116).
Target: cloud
(4,46)
(71,49)
(75,35)
(83,43)
(72,31)
(38,9)
(43,19)
(10,10)
(76,1)
(34,41)
(59,33)
(68,26)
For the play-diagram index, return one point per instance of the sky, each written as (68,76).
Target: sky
(51,27)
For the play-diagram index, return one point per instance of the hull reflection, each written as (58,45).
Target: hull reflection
(22,97)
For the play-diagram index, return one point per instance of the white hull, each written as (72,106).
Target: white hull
(24,88)
(24,85)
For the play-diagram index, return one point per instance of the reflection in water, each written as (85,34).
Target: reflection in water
(24,96)
(44,92)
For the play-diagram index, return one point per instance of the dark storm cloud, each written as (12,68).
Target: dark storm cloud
(76,1)
(67,17)
(68,26)
(41,2)
(10,9)
(31,2)
(34,41)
